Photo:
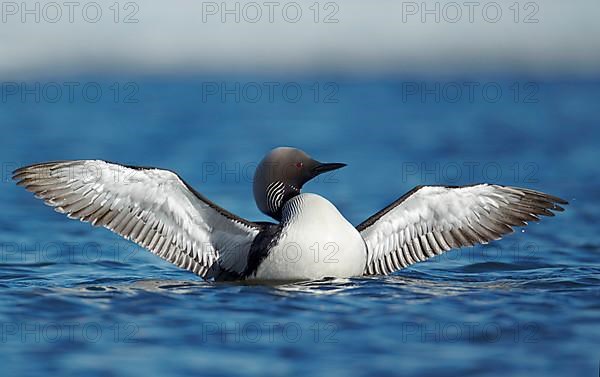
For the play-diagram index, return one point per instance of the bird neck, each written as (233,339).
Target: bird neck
(276,195)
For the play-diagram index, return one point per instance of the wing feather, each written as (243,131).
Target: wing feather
(430,220)
(154,208)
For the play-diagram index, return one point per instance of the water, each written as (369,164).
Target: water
(77,300)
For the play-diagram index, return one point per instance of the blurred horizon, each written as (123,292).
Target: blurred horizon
(388,38)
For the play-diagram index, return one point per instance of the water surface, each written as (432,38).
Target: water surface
(77,300)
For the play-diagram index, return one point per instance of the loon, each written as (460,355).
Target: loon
(311,239)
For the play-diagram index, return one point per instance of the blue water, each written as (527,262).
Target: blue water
(79,301)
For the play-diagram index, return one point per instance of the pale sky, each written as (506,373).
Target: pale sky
(349,36)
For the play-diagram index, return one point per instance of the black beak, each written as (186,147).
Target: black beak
(323,168)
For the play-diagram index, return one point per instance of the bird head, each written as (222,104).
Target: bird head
(280,176)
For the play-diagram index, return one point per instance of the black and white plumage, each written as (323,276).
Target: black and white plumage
(159,211)
(430,220)
(275,192)
(154,208)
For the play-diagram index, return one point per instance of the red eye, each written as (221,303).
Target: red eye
(299,165)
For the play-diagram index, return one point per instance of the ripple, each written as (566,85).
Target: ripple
(498,266)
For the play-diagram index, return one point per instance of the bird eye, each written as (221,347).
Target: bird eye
(299,165)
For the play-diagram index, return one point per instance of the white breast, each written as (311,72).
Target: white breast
(316,242)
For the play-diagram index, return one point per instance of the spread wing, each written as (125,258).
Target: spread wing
(154,208)
(430,220)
